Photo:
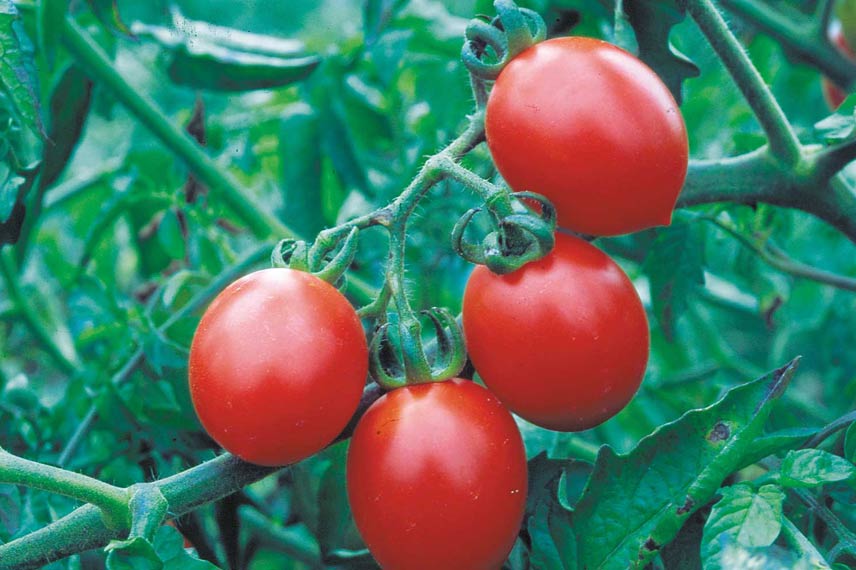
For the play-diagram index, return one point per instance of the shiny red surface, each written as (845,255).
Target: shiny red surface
(592,128)
(562,341)
(437,478)
(277,366)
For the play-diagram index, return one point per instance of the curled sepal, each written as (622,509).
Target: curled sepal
(291,253)
(470,252)
(334,269)
(399,360)
(384,364)
(511,32)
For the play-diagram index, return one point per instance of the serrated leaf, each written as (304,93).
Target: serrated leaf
(675,268)
(813,467)
(743,517)
(205,56)
(50,23)
(636,503)
(653,20)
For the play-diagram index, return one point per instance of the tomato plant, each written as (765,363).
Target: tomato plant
(593,129)
(834,94)
(437,478)
(277,366)
(562,341)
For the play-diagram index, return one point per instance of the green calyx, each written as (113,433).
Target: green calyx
(490,45)
(520,235)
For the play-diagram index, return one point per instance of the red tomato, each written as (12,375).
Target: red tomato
(437,478)
(563,341)
(834,94)
(593,129)
(277,366)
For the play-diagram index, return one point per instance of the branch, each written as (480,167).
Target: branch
(83,529)
(799,34)
(784,144)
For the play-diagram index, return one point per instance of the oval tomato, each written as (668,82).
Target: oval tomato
(277,366)
(437,478)
(593,129)
(562,341)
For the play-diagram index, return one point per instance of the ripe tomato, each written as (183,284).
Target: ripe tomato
(834,94)
(437,478)
(277,366)
(593,129)
(562,341)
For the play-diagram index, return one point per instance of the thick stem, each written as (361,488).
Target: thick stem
(83,529)
(784,144)
(112,501)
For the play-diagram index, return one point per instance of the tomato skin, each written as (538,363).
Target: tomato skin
(593,129)
(277,366)
(563,341)
(437,478)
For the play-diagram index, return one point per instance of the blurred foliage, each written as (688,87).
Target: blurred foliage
(125,238)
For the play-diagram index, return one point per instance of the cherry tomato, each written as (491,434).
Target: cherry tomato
(562,341)
(593,129)
(277,366)
(437,478)
(834,94)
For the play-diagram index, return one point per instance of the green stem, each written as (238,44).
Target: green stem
(831,428)
(781,261)
(112,501)
(30,317)
(93,59)
(283,539)
(801,34)
(83,529)
(784,144)
(847,540)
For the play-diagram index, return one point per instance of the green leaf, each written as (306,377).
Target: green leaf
(50,24)
(675,268)
(376,15)
(17,73)
(300,155)
(653,20)
(132,554)
(850,443)
(743,517)
(10,512)
(778,442)
(107,12)
(69,108)
(813,467)
(170,235)
(636,503)
(839,126)
(225,59)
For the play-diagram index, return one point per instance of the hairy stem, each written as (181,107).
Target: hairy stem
(784,144)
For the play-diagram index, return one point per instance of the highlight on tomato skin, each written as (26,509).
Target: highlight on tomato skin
(563,341)
(277,366)
(592,128)
(437,478)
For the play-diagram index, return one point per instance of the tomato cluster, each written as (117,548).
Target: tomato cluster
(436,472)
